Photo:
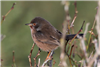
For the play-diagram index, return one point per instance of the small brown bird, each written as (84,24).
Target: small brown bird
(46,36)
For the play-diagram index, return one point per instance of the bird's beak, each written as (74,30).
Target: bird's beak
(29,24)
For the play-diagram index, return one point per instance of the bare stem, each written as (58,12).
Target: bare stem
(31,54)
(75,15)
(36,57)
(13,65)
(8,12)
(78,32)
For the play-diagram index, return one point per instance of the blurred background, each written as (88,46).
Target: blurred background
(18,36)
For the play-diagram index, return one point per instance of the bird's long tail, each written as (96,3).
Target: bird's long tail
(71,36)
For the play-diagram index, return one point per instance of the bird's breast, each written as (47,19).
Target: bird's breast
(43,45)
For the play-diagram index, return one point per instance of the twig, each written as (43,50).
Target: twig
(70,54)
(82,46)
(75,15)
(14,59)
(50,58)
(62,41)
(86,29)
(31,54)
(71,50)
(91,34)
(38,62)
(54,63)
(8,12)
(36,57)
(98,22)
(2,36)
(65,46)
(93,59)
(97,19)
(77,33)
(75,62)
(1,61)
(45,62)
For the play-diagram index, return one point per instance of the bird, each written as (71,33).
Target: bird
(45,35)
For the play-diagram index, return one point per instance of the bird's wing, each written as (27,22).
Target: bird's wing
(48,39)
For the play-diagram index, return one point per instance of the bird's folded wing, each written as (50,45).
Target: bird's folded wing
(48,39)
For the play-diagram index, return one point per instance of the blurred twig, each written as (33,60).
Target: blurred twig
(91,34)
(38,62)
(36,57)
(97,43)
(54,63)
(13,65)
(70,53)
(98,23)
(0,62)
(31,54)
(86,29)
(78,32)
(2,36)
(75,15)
(63,57)
(8,12)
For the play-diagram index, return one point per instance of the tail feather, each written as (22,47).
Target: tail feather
(71,36)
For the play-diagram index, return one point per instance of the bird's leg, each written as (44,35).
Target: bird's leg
(49,57)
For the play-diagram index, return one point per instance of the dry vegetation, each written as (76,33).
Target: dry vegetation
(88,58)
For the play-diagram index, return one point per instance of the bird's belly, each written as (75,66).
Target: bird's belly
(43,46)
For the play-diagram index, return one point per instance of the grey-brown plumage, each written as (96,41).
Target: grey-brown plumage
(45,35)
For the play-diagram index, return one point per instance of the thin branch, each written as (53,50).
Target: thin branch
(77,33)
(2,36)
(1,61)
(62,41)
(45,62)
(13,65)
(54,62)
(31,54)
(86,29)
(97,17)
(65,46)
(91,34)
(36,57)
(93,59)
(8,12)
(70,54)
(75,15)
(38,62)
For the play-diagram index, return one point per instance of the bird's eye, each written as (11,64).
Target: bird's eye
(34,24)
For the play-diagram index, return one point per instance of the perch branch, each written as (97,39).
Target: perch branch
(31,54)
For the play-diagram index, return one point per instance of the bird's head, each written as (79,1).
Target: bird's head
(38,24)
